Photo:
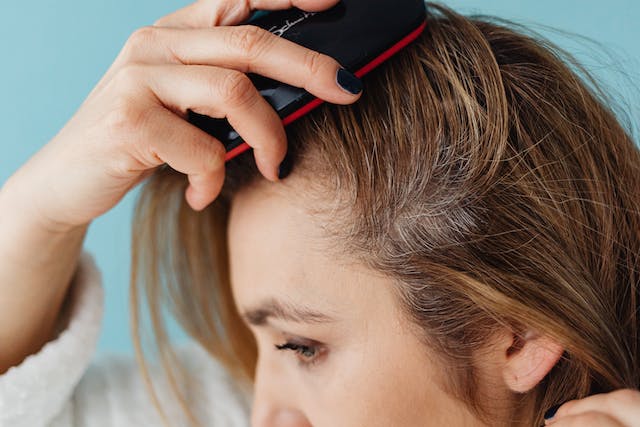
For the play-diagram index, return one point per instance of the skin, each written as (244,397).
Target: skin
(113,142)
(359,361)
(132,122)
(620,408)
(368,349)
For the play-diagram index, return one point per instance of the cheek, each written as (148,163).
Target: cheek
(379,383)
(384,379)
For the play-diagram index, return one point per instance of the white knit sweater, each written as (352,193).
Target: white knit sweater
(62,386)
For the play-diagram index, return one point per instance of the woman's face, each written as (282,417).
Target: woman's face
(334,348)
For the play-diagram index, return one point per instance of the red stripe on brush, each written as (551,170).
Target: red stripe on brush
(317,101)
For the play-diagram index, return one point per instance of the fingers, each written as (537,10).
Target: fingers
(205,14)
(622,405)
(588,419)
(203,68)
(211,13)
(219,92)
(169,139)
(244,48)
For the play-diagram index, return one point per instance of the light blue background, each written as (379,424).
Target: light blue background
(54,52)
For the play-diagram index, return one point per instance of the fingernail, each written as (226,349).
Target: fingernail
(285,167)
(551,412)
(349,82)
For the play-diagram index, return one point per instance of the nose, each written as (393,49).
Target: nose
(280,417)
(274,399)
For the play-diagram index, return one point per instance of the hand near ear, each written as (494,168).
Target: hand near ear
(620,408)
(527,359)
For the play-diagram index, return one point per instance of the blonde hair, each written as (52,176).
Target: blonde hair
(483,170)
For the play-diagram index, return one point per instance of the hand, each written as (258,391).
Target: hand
(135,118)
(620,408)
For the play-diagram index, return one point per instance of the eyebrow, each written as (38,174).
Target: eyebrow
(277,309)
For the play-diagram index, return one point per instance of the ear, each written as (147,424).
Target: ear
(527,359)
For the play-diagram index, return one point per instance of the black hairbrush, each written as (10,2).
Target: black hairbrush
(359,34)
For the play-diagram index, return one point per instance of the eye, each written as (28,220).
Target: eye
(307,353)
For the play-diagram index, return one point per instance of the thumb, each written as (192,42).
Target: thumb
(213,13)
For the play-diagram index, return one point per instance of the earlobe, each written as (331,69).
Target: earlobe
(528,360)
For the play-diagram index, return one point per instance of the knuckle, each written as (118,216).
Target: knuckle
(133,151)
(208,158)
(314,61)
(119,118)
(139,40)
(126,118)
(249,40)
(124,166)
(236,89)
(626,397)
(128,77)
(213,158)
(142,36)
(567,407)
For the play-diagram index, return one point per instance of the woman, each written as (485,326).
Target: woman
(458,247)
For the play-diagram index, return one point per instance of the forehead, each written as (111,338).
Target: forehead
(269,232)
(277,249)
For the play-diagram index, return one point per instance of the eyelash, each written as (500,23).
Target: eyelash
(307,354)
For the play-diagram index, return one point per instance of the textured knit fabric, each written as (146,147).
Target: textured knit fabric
(65,385)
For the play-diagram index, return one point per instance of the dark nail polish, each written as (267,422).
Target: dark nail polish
(551,412)
(349,81)
(285,167)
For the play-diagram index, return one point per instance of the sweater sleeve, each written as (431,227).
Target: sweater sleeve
(34,392)
(63,385)
(113,393)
